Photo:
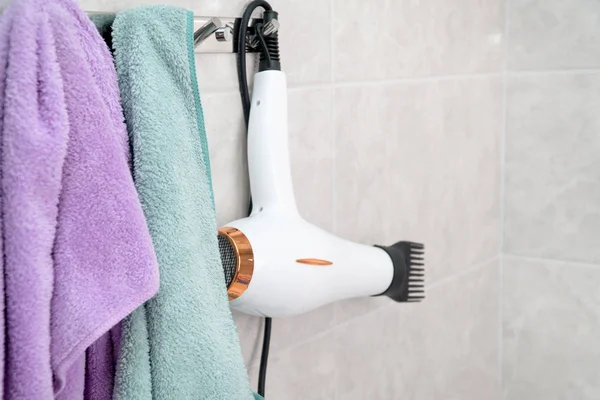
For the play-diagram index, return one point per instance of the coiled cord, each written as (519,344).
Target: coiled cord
(272,47)
(241,53)
(270,44)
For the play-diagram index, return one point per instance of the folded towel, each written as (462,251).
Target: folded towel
(183,343)
(78,256)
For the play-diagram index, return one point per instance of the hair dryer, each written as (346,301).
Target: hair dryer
(277,264)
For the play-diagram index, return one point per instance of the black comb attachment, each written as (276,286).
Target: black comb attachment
(408,283)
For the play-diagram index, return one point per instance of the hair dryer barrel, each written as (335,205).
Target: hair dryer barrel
(297,266)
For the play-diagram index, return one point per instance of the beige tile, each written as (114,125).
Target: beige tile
(306,372)
(311,153)
(292,331)
(250,331)
(225,131)
(361,161)
(305,45)
(420,161)
(444,348)
(390,39)
(551,314)
(552,167)
(286,333)
(554,34)
(218,72)
(354,308)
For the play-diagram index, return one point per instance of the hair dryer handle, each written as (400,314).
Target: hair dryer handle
(268,153)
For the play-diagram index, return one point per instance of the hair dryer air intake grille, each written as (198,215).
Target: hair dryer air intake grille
(237,259)
(228,258)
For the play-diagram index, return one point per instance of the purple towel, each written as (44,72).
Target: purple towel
(78,257)
(101,361)
(4,31)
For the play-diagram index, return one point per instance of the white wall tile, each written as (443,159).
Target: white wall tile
(305,44)
(291,331)
(551,315)
(306,372)
(311,152)
(218,72)
(554,34)
(420,161)
(444,348)
(382,39)
(552,192)
(286,333)
(250,330)
(553,167)
(225,126)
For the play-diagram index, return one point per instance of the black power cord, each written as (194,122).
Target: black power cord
(264,357)
(241,53)
(267,48)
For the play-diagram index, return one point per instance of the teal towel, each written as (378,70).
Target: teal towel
(182,344)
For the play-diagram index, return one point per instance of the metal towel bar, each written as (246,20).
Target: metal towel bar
(212,34)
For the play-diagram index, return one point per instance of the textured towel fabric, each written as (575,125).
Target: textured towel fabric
(78,256)
(4,43)
(182,344)
(100,368)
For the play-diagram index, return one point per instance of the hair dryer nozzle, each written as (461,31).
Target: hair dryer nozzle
(408,284)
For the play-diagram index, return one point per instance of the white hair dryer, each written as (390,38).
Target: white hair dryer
(276,264)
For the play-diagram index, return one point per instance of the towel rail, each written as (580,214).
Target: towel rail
(212,34)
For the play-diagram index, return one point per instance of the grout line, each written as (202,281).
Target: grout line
(501,323)
(504,132)
(332,77)
(314,86)
(333,133)
(542,72)
(505,76)
(366,83)
(214,90)
(572,263)
(333,117)
(418,79)
(415,79)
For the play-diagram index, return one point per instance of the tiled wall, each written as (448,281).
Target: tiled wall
(396,124)
(551,274)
